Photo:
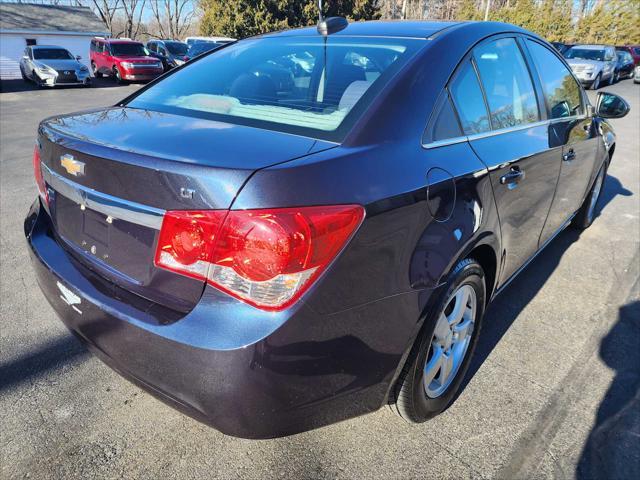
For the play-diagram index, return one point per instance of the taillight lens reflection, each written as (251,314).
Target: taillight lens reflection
(267,258)
(37,173)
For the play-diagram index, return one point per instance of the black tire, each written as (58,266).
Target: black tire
(596,83)
(24,77)
(116,75)
(36,80)
(410,398)
(587,213)
(95,71)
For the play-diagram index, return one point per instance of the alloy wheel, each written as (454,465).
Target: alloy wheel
(450,341)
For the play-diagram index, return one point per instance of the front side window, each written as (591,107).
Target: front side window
(304,85)
(562,92)
(507,84)
(51,54)
(467,97)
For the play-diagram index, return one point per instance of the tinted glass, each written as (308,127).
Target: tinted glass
(177,48)
(201,47)
(467,97)
(128,49)
(561,91)
(293,84)
(507,83)
(585,54)
(446,124)
(51,54)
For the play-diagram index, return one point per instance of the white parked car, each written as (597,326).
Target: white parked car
(594,65)
(50,66)
(636,75)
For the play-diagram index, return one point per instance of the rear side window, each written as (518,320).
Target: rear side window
(467,97)
(507,84)
(445,124)
(561,91)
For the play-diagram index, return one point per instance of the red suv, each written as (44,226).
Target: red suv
(125,60)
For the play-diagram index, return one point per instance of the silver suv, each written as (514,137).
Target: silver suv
(592,64)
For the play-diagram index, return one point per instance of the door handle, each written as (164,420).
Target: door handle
(570,155)
(514,176)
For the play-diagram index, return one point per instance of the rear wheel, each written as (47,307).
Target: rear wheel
(587,213)
(440,357)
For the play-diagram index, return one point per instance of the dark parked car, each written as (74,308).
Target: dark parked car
(172,53)
(272,256)
(198,48)
(624,66)
(634,50)
(562,47)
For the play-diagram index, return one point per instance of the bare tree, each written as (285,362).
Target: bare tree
(106,10)
(132,11)
(173,17)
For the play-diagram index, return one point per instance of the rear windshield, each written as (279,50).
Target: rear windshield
(585,54)
(177,48)
(128,49)
(300,85)
(51,54)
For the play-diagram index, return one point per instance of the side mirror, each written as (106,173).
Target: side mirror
(78,57)
(25,57)
(609,105)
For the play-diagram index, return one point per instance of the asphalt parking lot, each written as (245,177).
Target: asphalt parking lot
(554,391)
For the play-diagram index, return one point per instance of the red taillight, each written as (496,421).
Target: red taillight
(267,258)
(37,173)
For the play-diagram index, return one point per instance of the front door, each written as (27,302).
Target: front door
(572,134)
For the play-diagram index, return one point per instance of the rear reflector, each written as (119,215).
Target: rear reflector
(37,173)
(267,258)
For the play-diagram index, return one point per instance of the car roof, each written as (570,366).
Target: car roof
(35,47)
(377,28)
(119,40)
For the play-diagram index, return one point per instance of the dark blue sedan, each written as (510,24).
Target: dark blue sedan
(301,227)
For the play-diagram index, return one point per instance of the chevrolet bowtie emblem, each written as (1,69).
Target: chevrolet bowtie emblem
(71,165)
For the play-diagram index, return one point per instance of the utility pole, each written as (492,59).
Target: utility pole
(486,12)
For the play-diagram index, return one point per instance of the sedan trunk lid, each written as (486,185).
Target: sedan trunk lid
(111,175)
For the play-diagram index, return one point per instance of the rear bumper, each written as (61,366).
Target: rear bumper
(247,373)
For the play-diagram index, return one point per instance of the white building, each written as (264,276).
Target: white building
(23,24)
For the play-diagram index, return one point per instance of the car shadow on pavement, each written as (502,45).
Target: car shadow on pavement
(612,449)
(16,86)
(506,307)
(38,362)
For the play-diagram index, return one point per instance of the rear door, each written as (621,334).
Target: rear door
(512,139)
(572,134)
